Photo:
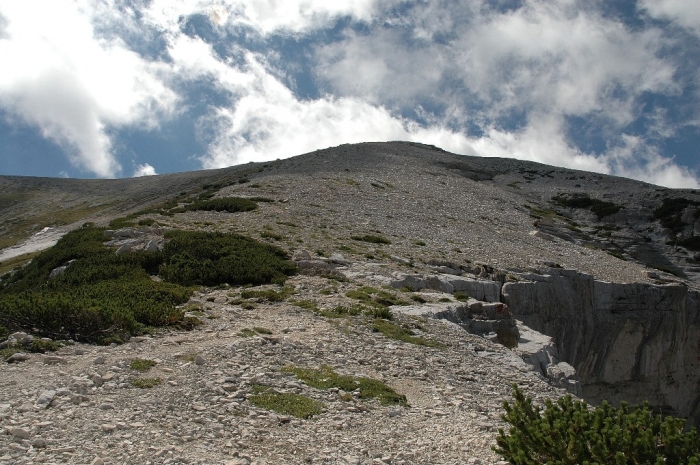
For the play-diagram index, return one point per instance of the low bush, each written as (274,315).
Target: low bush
(569,432)
(600,208)
(146,383)
(103,297)
(325,378)
(224,204)
(142,364)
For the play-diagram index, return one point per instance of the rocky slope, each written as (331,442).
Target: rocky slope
(604,285)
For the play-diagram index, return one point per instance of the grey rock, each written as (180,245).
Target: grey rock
(45,398)
(628,337)
(18,357)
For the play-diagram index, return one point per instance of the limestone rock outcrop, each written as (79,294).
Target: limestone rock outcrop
(634,341)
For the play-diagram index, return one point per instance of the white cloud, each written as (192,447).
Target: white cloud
(264,16)
(73,85)
(684,12)
(144,170)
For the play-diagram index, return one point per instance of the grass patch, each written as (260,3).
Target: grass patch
(146,383)
(461,296)
(261,330)
(325,378)
(142,364)
(307,304)
(268,295)
(375,297)
(373,239)
(394,331)
(285,403)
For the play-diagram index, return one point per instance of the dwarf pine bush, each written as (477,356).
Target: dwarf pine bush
(568,432)
(103,297)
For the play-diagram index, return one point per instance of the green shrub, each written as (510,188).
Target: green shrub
(285,404)
(568,433)
(601,208)
(142,364)
(372,239)
(146,383)
(325,378)
(461,296)
(211,259)
(224,204)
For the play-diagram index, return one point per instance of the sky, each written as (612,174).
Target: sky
(121,88)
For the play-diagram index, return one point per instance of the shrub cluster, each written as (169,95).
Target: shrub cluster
(223,204)
(601,208)
(103,297)
(210,259)
(568,432)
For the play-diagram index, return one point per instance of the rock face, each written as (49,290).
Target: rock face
(627,341)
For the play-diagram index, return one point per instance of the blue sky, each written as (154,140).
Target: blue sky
(120,88)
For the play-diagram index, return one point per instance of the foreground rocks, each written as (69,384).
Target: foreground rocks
(87,409)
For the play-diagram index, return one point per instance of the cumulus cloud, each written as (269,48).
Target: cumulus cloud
(473,78)
(144,170)
(518,74)
(72,85)
(685,13)
(264,16)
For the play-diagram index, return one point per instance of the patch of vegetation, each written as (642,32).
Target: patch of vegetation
(600,208)
(224,204)
(8,352)
(395,331)
(444,299)
(691,243)
(142,364)
(271,235)
(102,296)
(284,403)
(210,259)
(375,297)
(419,243)
(269,295)
(16,262)
(461,296)
(247,332)
(146,383)
(261,330)
(41,346)
(568,433)
(418,299)
(307,304)
(670,212)
(325,378)
(371,238)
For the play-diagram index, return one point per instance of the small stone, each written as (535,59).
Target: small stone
(45,398)
(106,406)
(22,433)
(198,407)
(199,360)
(18,357)
(107,428)
(38,443)
(54,360)
(99,360)
(97,461)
